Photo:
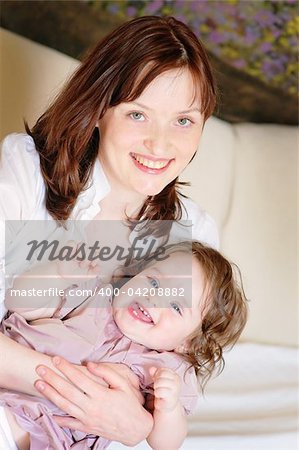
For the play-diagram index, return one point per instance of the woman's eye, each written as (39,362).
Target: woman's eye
(153,282)
(137,116)
(184,122)
(176,307)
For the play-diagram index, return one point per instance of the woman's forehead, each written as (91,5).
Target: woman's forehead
(178,84)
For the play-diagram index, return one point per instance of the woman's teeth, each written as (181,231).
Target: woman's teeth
(149,163)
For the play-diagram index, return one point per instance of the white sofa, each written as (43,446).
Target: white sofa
(245,175)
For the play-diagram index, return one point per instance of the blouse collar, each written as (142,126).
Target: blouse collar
(88,203)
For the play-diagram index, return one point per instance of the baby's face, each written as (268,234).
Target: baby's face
(162,305)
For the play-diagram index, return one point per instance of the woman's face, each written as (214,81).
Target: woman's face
(147,143)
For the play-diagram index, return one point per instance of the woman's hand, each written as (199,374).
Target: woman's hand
(114,412)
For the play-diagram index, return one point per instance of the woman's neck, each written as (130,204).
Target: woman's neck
(118,206)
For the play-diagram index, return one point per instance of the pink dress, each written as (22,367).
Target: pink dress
(83,330)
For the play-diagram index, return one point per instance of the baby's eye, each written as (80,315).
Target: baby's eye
(184,122)
(153,282)
(137,116)
(176,307)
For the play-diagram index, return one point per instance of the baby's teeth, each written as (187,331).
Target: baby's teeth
(144,312)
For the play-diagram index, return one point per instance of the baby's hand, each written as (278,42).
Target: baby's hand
(167,387)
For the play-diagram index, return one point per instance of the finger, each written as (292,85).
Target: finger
(128,381)
(112,378)
(163,392)
(61,392)
(79,379)
(153,371)
(166,378)
(70,422)
(127,373)
(162,371)
(165,384)
(55,397)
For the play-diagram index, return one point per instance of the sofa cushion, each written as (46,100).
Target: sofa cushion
(211,171)
(260,234)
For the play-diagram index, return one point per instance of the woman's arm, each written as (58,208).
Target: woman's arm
(115,412)
(17,366)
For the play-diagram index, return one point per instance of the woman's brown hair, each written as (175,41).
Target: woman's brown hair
(224,306)
(117,70)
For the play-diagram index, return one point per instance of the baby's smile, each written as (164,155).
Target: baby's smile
(140,313)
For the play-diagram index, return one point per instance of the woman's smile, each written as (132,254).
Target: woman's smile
(149,164)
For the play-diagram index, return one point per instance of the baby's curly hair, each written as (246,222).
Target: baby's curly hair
(224,312)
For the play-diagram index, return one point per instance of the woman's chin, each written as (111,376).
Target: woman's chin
(151,191)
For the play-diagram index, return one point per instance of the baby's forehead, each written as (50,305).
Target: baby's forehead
(177,261)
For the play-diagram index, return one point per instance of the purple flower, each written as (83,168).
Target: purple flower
(265,47)
(113,8)
(293,42)
(216,37)
(251,35)
(220,17)
(179,4)
(154,6)
(271,68)
(181,18)
(265,18)
(131,11)
(239,63)
(276,33)
(197,6)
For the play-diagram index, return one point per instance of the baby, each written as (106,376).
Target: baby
(167,327)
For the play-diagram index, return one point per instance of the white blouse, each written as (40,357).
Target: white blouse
(22,199)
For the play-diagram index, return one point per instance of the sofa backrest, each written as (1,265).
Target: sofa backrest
(246,176)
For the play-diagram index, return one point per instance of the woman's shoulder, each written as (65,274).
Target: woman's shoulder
(20,177)
(17,148)
(204,227)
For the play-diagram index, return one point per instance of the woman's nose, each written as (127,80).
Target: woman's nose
(158,143)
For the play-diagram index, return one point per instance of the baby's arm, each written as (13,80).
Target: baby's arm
(49,281)
(39,279)
(170,425)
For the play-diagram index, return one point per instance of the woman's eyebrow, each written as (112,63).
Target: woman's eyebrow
(190,111)
(187,111)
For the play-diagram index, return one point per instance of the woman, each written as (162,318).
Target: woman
(110,148)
